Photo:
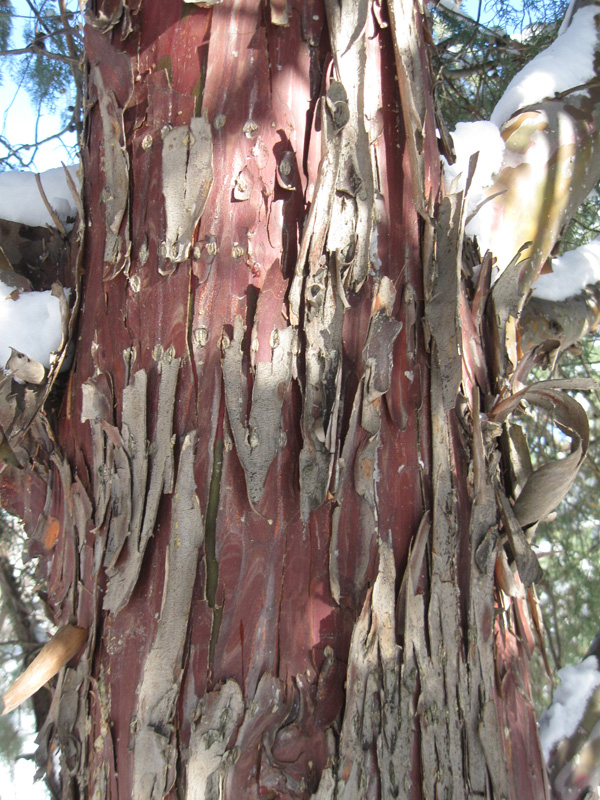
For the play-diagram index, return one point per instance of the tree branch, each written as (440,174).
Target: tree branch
(35,49)
(75,70)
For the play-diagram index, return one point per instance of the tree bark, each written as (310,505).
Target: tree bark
(276,462)
(564,323)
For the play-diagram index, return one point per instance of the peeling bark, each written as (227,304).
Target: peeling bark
(124,575)
(258,441)
(277,462)
(186,177)
(155,759)
(112,79)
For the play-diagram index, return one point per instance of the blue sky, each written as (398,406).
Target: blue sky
(18,116)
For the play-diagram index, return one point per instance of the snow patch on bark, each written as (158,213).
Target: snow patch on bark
(570,699)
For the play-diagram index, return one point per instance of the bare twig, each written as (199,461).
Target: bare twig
(57,223)
(36,50)
(74,191)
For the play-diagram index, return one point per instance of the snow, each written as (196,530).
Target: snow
(570,699)
(566,63)
(21,201)
(571,273)
(567,17)
(30,324)
(453,7)
(474,137)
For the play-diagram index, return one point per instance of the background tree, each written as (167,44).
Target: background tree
(474,62)
(280,506)
(23,634)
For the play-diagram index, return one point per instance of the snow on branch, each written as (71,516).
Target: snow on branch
(571,273)
(31,322)
(537,161)
(474,137)
(567,63)
(569,703)
(21,201)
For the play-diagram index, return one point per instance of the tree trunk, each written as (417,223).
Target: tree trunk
(276,462)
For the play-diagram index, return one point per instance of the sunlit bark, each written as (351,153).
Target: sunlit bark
(276,462)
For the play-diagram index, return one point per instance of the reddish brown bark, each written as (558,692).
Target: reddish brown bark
(288,614)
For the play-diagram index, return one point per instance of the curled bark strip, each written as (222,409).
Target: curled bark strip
(334,251)
(55,219)
(505,578)
(527,563)
(504,408)
(75,193)
(538,628)
(53,656)
(108,15)
(442,310)
(378,355)
(354,184)
(96,408)
(547,486)
(414,88)
(134,434)
(280,12)
(414,567)
(64,727)
(371,728)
